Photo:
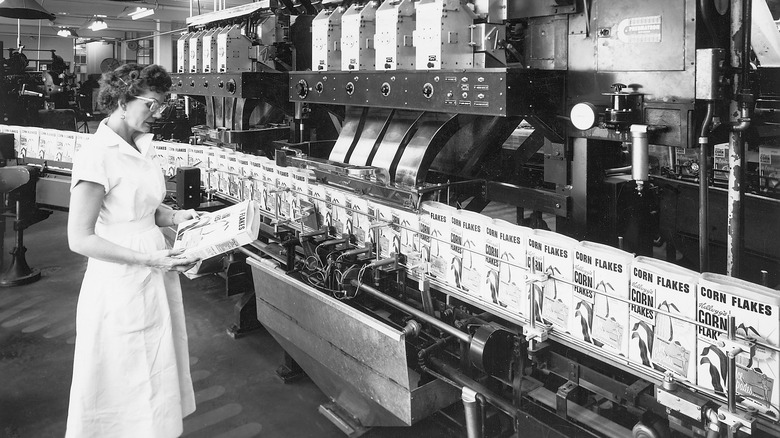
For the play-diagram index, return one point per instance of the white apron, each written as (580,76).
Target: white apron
(131,375)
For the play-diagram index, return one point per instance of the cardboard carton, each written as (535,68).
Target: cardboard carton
(213,234)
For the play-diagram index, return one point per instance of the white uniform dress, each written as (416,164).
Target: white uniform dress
(131,372)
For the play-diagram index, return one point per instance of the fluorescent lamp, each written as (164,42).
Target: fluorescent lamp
(98,25)
(64,33)
(141,13)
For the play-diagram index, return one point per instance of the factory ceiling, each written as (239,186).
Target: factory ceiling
(79,15)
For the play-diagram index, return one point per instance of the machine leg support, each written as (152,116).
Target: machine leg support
(290,371)
(246,316)
(238,275)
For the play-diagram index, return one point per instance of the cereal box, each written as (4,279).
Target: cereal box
(659,341)
(505,248)
(435,236)
(755,310)
(553,254)
(605,269)
(216,233)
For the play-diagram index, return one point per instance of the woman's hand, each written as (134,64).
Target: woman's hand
(171,260)
(180,216)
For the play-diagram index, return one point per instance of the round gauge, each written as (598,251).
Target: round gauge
(583,116)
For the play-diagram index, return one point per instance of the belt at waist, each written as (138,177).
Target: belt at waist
(133,227)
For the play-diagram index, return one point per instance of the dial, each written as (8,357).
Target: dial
(427,90)
(583,116)
(302,88)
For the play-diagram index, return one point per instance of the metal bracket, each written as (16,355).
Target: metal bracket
(574,372)
(635,389)
(425,291)
(562,399)
(736,421)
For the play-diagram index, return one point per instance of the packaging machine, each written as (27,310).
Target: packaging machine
(549,218)
(580,332)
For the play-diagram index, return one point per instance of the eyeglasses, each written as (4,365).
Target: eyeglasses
(154,106)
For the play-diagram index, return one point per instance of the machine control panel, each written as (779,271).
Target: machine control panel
(246,84)
(483,91)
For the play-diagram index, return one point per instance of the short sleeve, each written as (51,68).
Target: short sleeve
(89,164)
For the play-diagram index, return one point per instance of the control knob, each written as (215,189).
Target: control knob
(302,88)
(427,90)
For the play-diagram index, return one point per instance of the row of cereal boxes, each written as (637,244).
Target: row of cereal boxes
(45,144)
(490,261)
(493,261)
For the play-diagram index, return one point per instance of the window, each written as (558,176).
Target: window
(146,51)
(80,62)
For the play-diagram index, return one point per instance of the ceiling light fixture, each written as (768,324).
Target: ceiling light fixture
(24,10)
(141,13)
(97,25)
(67,33)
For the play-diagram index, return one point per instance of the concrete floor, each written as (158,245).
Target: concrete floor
(237,392)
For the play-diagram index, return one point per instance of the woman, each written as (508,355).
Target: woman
(131,373)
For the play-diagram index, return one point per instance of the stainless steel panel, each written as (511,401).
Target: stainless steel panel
(433,132)
(350,132)
(665,85)
(378,346)
(355,359)
(53,190)
(395,138)
(219,113)
(547,43)
(229,105)
(641,36)
(708,72)
(211,112)
(539,8)
(336,385)
(476,136)
(375,123)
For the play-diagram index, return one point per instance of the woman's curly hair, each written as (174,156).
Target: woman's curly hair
(130,80)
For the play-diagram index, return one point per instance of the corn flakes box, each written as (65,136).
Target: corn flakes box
(659,341)
(555,301)
(435,237)
(605,269)
(29,142)
(755,310)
